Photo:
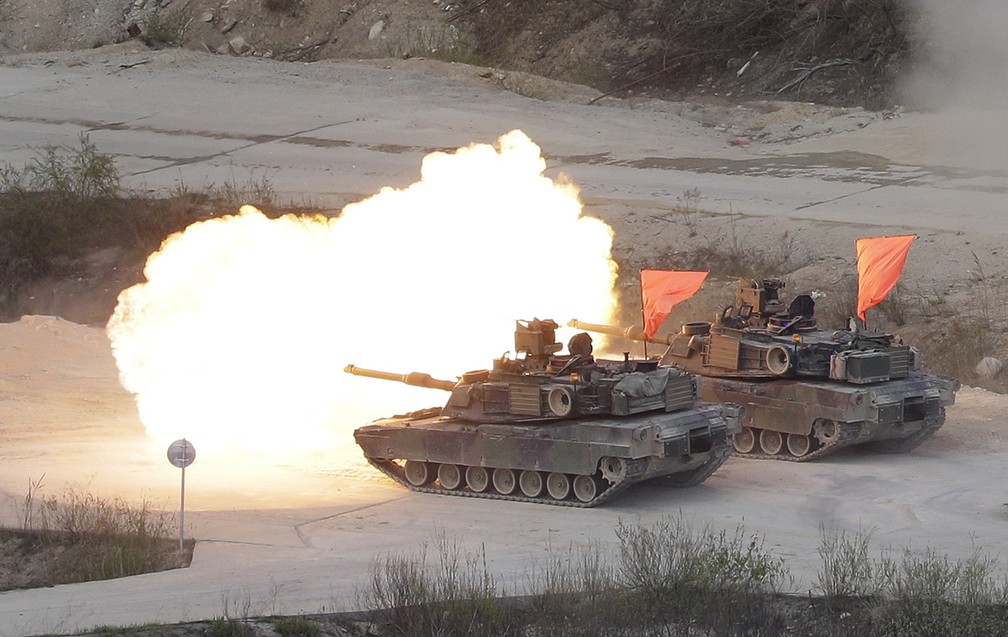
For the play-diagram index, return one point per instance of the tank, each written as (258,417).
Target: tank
(807,391)
(551,428)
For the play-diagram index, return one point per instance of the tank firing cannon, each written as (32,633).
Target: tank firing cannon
(554,428)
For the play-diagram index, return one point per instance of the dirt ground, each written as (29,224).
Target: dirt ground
(64,413)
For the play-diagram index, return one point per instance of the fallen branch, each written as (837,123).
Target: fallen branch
(470,9)
(643,79)
(807,72)
(299,53)
(132,64)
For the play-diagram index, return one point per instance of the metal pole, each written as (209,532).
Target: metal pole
(181,528)
(643,320)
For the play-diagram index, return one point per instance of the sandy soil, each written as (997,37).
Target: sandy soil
(298,534)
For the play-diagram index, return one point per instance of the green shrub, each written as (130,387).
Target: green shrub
(455,596)
(846,569)
(229,627)
(295,627)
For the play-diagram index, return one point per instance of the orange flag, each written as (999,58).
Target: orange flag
(661,290)
(880,263)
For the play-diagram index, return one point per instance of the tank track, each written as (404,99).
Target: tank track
(701,473)
(635,468)
(906,445)
(849,432)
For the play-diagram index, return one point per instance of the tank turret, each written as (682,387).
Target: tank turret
(807,391)
(760,337)
(542,384)
(550,427)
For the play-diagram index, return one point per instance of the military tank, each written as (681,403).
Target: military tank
(552,428)
(807,391)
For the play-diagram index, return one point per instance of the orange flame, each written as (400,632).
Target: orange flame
(238,338)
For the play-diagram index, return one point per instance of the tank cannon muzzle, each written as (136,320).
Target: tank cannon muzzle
(629,333)
(417,379)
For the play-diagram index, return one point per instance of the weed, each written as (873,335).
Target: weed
(29,503)
(295,627)
(929,594)
(229,627)
(957,347)
(445,43)
(258,192)
(578,583)
(167,27)
(732,256)
(688,207)
(847,570)
(674,569)
(896,305)
(415,598)
(91,538)
(73,174)
(836,305)
(56,203)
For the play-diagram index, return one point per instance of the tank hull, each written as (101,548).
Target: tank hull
(803,420)
(596,457)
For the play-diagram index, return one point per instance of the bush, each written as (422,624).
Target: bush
(296,627)
(167,27)
(48,208)
(85,537)
(846,571)
(447,598)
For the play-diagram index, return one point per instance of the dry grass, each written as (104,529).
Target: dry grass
(79,536)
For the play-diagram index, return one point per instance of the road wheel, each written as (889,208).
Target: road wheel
(531,483)
(419,474)
(771,442)
(450,476)
(586,488)
(558,485)
(744,441)
(477,479)
(798,444)
(504,481)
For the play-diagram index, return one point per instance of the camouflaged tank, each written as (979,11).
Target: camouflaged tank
(807,391)
(563,429)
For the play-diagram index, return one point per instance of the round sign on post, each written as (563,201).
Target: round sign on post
(181,453)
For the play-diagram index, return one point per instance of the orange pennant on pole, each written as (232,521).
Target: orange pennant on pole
(661,290)
(880,263)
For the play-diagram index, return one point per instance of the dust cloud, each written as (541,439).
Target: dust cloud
(961,73)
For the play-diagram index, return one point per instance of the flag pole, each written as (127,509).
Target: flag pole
(643,320)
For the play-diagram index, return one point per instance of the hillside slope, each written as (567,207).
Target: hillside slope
(845,52)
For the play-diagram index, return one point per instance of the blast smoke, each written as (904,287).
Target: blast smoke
(238,337)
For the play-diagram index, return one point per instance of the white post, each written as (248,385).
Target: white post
(181,526)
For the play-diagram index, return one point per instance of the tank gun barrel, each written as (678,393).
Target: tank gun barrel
(629,333)
(417,379)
